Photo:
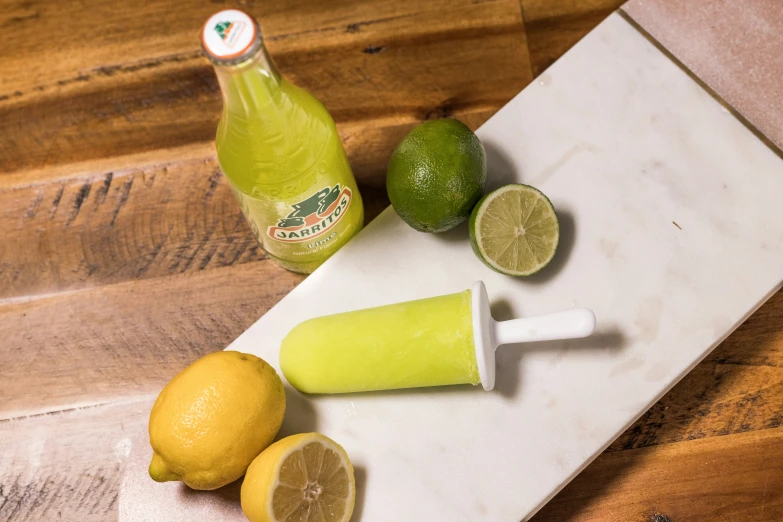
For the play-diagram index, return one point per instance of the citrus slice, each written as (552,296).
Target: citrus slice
(301,478)
(514,230)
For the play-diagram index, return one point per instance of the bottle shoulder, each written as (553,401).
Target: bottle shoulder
(254,166)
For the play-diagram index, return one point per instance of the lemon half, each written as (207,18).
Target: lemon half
(301,478)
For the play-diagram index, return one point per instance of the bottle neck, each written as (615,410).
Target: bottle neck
(250,86)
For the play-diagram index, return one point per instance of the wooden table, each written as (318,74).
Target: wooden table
(125,257)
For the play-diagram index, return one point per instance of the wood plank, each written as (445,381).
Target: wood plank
(554,27)
(67,466)
(134,224)
(75,103)
(295,26)
(120,341)
(734,477)
(140,223)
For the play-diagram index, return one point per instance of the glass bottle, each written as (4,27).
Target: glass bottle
(279,149)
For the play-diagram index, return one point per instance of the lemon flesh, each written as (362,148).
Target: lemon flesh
(301,478)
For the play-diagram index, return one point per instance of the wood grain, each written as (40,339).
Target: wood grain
(131,224)
(67,466)
(120,226)
(123,91)
(554,27)
(54,43)
(731,478)
(119,341)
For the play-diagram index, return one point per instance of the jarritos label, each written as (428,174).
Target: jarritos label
(313,217)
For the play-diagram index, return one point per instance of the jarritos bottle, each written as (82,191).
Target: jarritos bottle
(279,150)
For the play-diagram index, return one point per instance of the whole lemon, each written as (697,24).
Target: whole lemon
(214,418)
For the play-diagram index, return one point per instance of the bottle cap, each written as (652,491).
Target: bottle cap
(230,37)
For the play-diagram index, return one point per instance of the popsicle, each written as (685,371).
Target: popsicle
(437,341)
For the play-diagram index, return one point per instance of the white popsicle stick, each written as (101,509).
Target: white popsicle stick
(488,334)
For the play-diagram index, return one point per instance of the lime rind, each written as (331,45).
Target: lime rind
(436,175)
(505,250)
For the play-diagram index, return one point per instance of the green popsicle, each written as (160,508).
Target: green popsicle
(428,342)
(437,341)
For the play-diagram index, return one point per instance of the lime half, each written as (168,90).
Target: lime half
(514,230)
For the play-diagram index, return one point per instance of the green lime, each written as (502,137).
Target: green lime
(436,175)
(514,230)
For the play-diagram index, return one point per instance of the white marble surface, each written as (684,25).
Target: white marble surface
(624,143)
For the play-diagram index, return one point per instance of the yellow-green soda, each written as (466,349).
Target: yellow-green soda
(279,150)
